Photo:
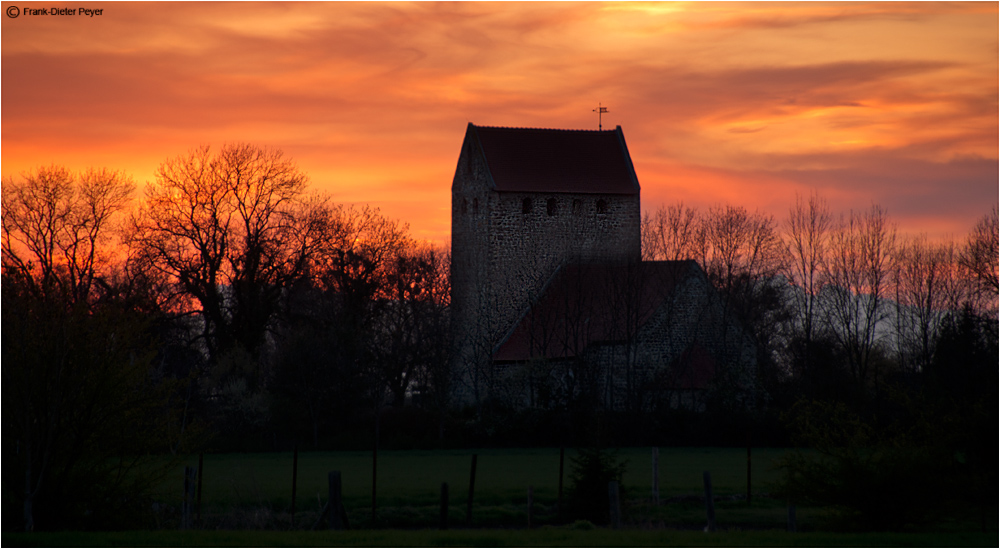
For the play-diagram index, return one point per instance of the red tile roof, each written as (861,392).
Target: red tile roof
(693,369)
(591,303)
(557,161)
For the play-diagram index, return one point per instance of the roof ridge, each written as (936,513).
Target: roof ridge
(545,129)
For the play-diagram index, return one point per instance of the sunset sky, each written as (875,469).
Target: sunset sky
(741,103)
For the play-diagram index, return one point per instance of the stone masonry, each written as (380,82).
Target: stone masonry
(507,241)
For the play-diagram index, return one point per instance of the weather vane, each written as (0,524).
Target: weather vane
(600,111)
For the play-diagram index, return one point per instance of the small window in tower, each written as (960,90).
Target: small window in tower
(550,206)
(602,207)
(577,206)
(526,206)
(475,205)
(465,205)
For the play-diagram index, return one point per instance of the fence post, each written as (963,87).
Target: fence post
(530,501)
(748,467)
(188,502)
(295,478)
(375,472)
(185,512)
(709,504)
(472,488)
(336,506)
(791,516)
(201,468)
(614,505)
(444,506)
(559,501)
(656,476)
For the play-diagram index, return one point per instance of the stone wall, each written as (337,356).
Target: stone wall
(639,373)
(526,249)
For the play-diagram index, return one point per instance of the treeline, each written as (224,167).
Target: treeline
(876,351)
(229,308)
(837,305)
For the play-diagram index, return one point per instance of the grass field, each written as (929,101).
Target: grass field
(253,491)
(233,478)
(409,484)
(246,501)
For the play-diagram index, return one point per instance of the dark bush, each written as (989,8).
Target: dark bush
(591,471)
(872,477)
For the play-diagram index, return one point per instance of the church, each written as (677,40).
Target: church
(551,301)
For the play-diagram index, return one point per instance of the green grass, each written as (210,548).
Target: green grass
(409,484)
(258,486)
(405,476)
(253,492)
(543,537)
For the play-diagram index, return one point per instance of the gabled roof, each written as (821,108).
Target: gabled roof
(556,161)
(693,369)
(590,304)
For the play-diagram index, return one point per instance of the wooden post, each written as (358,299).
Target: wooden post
(185,504)
(444,506)
(295,478)
(201,468)
(709,504)
(193,485)
(375,472)
(614,505)
(189,496)
(335,506)
(656,476)
(791,517)
(749,493)
(559,501)
(531,497)
(472,489)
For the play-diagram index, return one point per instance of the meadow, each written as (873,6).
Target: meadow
(246,501)
(254,490)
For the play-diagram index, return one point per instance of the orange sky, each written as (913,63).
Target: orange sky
(745,103)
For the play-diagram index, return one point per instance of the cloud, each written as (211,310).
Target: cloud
(744,102)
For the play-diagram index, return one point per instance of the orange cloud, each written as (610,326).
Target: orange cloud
(749,103)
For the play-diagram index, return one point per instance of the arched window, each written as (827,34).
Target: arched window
(602,207)
(526,206)
(550,206)
(577,206)
(475,205)
(465,205)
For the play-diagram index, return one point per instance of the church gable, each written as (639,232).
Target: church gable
(592,303)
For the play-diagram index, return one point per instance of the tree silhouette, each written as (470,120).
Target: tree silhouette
(77,352)
(230,230)
(56,228)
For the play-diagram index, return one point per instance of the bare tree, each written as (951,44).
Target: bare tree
(230,229)
(980,259)
(76,374)
(743,257)
(741,247)
(409,321)
(672,233)
(58,227)
(858,274)
(926,289)
(806,235)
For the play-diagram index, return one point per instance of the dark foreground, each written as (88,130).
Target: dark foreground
(543,537)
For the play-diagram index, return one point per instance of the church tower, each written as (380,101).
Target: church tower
(524,202)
